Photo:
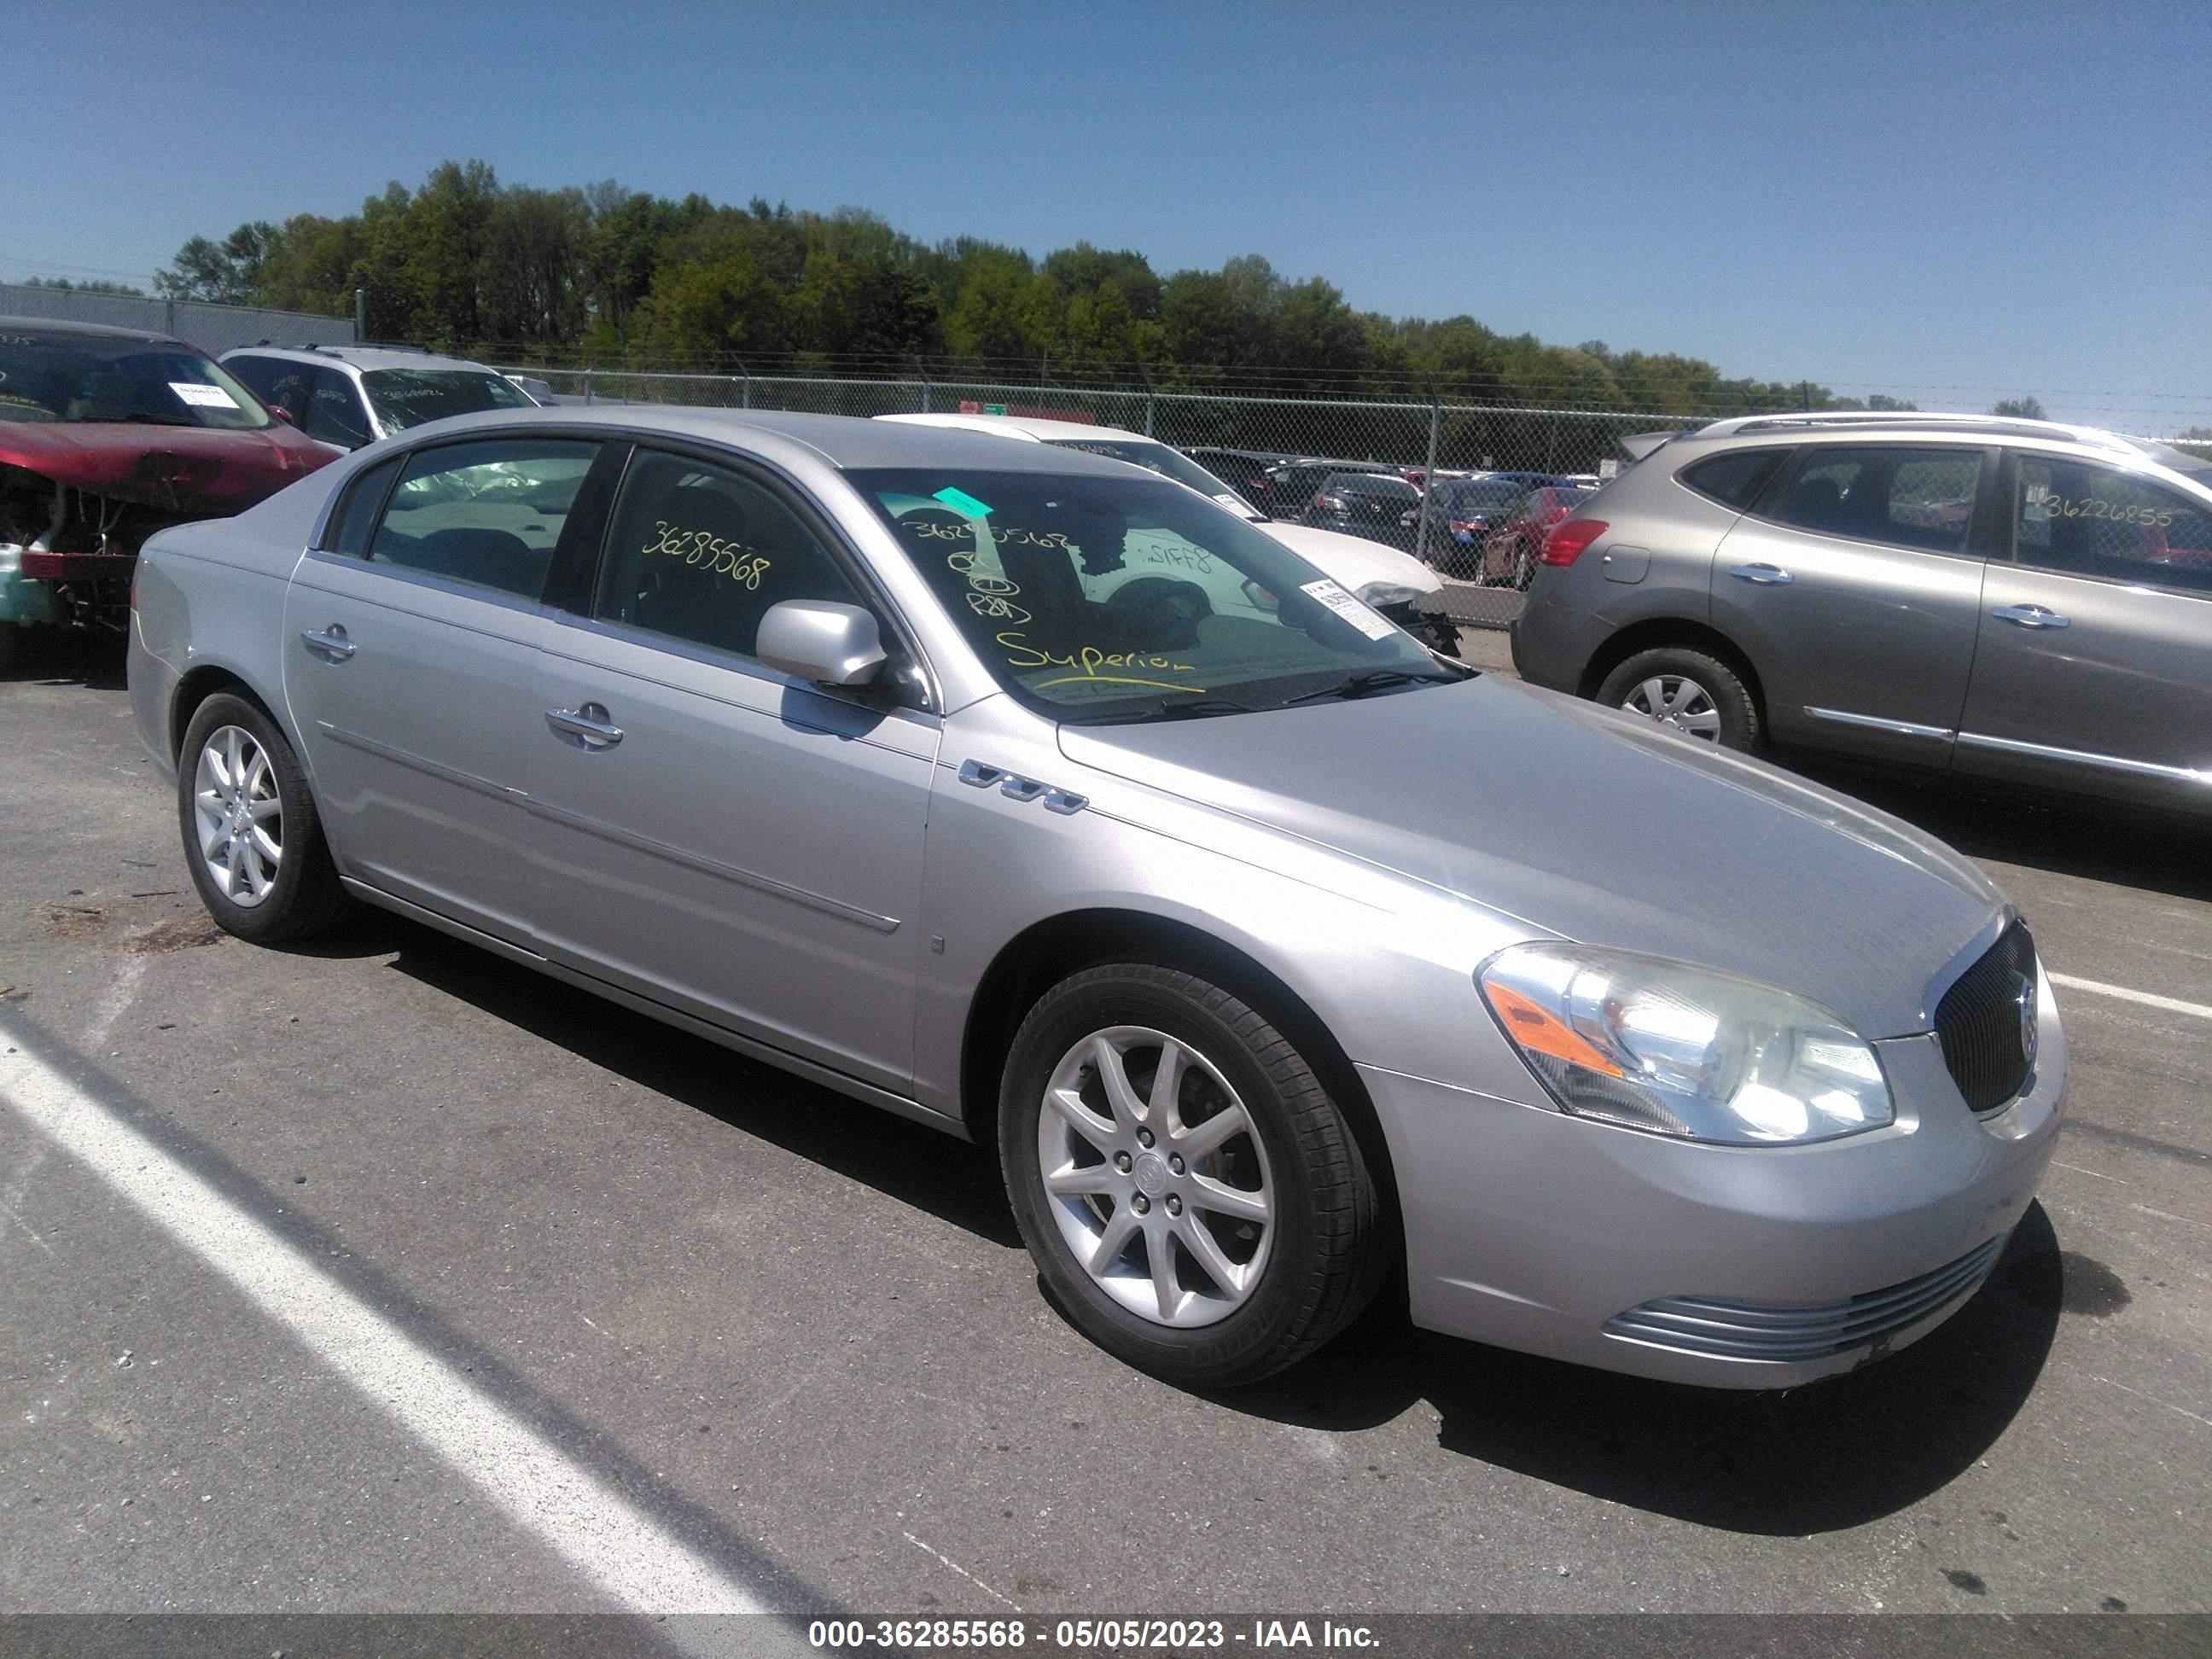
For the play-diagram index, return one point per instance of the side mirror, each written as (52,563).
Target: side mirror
(281,413)
(819,639)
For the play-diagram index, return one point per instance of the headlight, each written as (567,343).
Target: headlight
(1681,1050)
(1379,594)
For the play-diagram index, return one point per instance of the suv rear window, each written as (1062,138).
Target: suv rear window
(1733,479)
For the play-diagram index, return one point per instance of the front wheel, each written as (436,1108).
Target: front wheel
(1687,692)
(252,841)
(1193,1199)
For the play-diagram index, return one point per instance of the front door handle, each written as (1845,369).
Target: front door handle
(1766,576)
(330,642)
(2030,615)
(587,727)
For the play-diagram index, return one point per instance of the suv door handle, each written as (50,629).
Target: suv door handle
(587,727)
(1766,576)
(2030,615)
(330,642)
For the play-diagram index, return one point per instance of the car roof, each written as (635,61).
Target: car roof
(56,325)
(1022,425)
(363,357)
(845,441)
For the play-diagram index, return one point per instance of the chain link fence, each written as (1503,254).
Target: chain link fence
(214,329)
(1278,453)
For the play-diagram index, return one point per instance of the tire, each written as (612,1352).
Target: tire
(1275,1226)
(1523,569)
(1689,692)
(274,859)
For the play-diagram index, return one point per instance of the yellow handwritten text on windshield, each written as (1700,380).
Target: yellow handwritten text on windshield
(1087,659)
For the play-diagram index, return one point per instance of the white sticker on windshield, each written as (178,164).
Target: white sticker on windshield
(1355,612)
(202,397)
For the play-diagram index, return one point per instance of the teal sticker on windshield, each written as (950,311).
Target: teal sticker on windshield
(961,501)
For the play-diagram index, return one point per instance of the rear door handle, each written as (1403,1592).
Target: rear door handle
(330,642)
(1766,576)
(2030,615)
(587,727)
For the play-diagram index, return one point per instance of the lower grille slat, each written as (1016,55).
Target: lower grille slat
(1752,1330)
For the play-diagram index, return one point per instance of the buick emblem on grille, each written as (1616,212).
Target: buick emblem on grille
(2024,995)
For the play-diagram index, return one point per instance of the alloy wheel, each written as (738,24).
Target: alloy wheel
(1156,1176)
(238,815)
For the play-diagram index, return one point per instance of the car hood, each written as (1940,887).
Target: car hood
(1593,825)
(184,469)
(1353,561)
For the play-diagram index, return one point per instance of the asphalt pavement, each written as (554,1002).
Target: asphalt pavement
(388,1276)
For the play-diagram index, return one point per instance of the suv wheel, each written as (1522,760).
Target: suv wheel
(252,841)
(1193,1199)
(1686,691)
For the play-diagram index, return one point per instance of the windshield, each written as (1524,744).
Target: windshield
(1158,458)
(78,377)
(2196,467)
(1106,598)
(408,397)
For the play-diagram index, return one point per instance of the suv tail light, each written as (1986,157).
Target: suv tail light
(1566,542)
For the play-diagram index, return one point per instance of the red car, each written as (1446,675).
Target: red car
(1511,551)
(107,435)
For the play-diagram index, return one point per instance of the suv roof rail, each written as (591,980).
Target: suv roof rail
(1909,420)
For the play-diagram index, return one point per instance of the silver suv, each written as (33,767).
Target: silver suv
(346,396)
(2000,599)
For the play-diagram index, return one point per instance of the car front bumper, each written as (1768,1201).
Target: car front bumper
(1744,1267)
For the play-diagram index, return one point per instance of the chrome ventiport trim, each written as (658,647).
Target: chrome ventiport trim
(2083,758)
(1877,723)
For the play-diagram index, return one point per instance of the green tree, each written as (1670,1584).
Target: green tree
(2026,408)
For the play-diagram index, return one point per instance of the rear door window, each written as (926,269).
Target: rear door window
(1918,498)
(487,514)
(2084,520)
(352,525)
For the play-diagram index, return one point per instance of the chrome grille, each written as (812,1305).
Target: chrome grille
(1986,1043)
(1759,1330)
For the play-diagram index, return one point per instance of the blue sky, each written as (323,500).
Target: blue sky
(1949,201)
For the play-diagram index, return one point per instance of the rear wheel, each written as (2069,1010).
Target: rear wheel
(1523,568)
(1193,1199)
(253,839)
(1686,691)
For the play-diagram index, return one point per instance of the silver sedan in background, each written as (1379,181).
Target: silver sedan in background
(1012,790)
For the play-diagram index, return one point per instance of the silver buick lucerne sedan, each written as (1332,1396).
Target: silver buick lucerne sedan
(1025,794)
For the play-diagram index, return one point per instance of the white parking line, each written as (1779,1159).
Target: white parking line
(629,1557)
(2097,987)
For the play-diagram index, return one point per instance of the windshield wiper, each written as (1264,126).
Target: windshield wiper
(1197,709)
(1376,679)
(144,418)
